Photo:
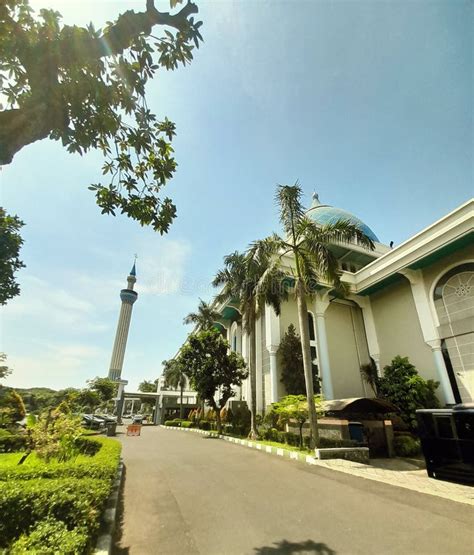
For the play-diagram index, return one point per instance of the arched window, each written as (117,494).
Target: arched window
(453,298)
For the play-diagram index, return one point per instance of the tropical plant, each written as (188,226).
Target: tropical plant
(309,247)
(404,387)
(204,318)
(247,279)
(86,87)
(175,375)
(292,371)
(370,375)
(214,370)
(55,436)
(292,408)
(10,263)
(147,386)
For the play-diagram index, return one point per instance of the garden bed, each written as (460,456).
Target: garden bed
(64,501)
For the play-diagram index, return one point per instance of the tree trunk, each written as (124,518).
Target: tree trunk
(307,363)
(253,434)
(181,407)
(218,421)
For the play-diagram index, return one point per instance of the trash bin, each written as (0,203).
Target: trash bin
(111,428)
(447,441)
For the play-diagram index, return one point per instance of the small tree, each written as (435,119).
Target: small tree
(12,409)
(213,368)
(402,385)
(4,370)
(176,376)
(292,373)
(293,408)
(55,436)
(147,386)
(10,263)
(104,387)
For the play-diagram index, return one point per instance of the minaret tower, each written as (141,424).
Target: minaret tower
(128,296)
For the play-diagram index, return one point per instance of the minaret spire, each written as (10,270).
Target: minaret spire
(128,297)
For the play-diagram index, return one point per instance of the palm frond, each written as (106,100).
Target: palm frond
(288,199)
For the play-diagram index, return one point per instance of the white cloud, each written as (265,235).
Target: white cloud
(162,268)
(57,366)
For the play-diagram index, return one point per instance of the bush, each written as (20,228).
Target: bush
(10,442)
(406,446)
(77,503)
(204,425)
(402,385)
(49,537)
(187,424)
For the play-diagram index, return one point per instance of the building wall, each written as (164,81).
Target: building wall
(345,354)
(398,328)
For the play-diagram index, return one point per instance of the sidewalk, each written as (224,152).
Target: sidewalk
(399,472)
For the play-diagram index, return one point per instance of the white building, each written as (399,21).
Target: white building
(415,300)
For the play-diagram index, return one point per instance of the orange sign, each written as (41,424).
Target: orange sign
(134,429)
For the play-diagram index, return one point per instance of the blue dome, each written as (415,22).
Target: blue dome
(325,214)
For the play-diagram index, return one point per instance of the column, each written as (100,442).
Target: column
(246,385)
(429,330)
(370,331)
(272,342)
(258,365)
(320,306)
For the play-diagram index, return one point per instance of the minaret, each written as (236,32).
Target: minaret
(128,296)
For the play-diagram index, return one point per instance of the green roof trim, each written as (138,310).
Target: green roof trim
(390,280)
(451,248)
(230,313)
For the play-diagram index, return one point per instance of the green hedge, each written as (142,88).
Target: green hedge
(50,537)
(172,423)
(75,502)
(103,465)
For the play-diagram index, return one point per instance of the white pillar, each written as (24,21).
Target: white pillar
(246,386)
(370,331)
(320,306)
(258,366)
(272,342)
(429,330)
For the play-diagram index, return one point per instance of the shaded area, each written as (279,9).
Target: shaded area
(285,547)
(119,519)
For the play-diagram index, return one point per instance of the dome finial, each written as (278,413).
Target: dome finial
(316,201)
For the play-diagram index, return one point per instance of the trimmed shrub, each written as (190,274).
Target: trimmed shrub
(10,442)
(187,424)
(77,503)
(204,425)
(172,423)
(102,466)
(406,446)
(50,537)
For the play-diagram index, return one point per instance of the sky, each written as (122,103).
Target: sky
(369,103)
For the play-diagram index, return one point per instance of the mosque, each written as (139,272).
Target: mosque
(414,300)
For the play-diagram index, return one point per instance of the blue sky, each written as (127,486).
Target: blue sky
(368,103)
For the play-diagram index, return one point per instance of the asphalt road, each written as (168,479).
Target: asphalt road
(188,494)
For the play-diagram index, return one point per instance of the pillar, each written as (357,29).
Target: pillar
(272,342)
(258,366)
(429,330)
(370,331)
(320,306)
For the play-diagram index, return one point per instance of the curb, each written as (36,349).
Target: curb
(103,545)
(278,451)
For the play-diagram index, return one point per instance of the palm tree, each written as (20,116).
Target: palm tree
(247,279)
(204,317)
(309,245)
(175,376)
